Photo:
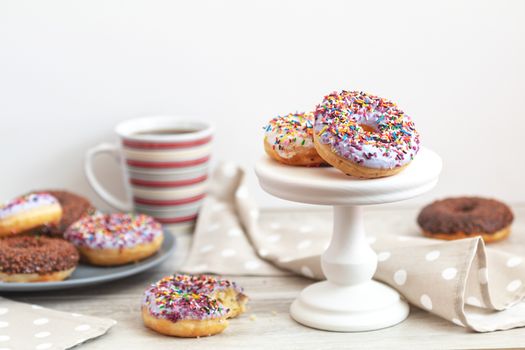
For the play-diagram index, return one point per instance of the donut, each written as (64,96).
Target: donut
(289,140)
(73,208)
(115,239)
(464,217)
(364,135)
(36,259)
(191,306)
(28,212)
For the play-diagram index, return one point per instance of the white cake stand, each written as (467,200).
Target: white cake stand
(349,300)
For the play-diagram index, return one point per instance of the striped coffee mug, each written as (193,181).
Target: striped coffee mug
(165,161)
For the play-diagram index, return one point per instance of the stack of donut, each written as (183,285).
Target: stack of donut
(362,135)
(33,258)
(44,234)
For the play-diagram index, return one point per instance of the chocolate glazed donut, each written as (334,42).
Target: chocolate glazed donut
(36,259)
(74,207)
(463,217)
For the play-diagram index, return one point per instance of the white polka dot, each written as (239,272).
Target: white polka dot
(326,245)
(228,252)
(514,285)
(75,315)
(514,261)
(449,273)
(213,227)
(371,239)
(432,255)
(305,270)
(483,275)
(275,225)
(252,265)
(40,321)
(263,252)
(474,301)
(42,334)
(36,307)
(4,338)
(83,328)
(235,232)
(400,277)
(4,324)
(426,302)
(304,244)
(458,322)
(206,248)
(3,310)
(242,192)
(306,229)
(383,256)
(273,238)
(43,346)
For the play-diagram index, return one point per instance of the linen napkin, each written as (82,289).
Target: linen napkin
(25,326)
(460,281)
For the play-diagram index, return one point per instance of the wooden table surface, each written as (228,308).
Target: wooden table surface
(267,323)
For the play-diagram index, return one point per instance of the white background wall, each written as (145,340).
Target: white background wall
(70,70)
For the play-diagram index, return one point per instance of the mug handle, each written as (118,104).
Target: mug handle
(114,151)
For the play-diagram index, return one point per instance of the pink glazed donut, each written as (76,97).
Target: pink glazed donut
(364,135)
(115,239)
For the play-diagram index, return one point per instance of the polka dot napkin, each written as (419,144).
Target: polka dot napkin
(460,281)
(25,326)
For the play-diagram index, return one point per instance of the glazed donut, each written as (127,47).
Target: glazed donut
(73,208)
(463,217)
(29,212)
(36,259)
(289,140)
(115,239)
(191,306)
(364,135)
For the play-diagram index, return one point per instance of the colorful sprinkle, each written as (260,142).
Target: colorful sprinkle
(287,133)
(366,129)
(180,297)
(27,202)
(114,231)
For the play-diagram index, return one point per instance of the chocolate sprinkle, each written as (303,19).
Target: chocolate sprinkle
(36,254)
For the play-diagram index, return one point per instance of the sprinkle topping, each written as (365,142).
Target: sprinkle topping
(366,129)
(113,230)
(27,202)
(180,297)
(287,133)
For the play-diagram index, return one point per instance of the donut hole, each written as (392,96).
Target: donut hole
(368,128)
(467,207)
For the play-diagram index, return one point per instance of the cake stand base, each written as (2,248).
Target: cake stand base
(368,306)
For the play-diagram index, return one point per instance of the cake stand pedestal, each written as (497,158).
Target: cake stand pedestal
(349,300)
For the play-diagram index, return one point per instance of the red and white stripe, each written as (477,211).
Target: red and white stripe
(168,179)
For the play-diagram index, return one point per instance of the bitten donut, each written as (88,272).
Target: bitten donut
(115,239)
(289,140)
(73,208)
(364,135)
(463,217)
(191,306)
(36,259)
(29,212)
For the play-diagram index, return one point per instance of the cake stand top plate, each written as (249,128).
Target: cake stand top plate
(329,186)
